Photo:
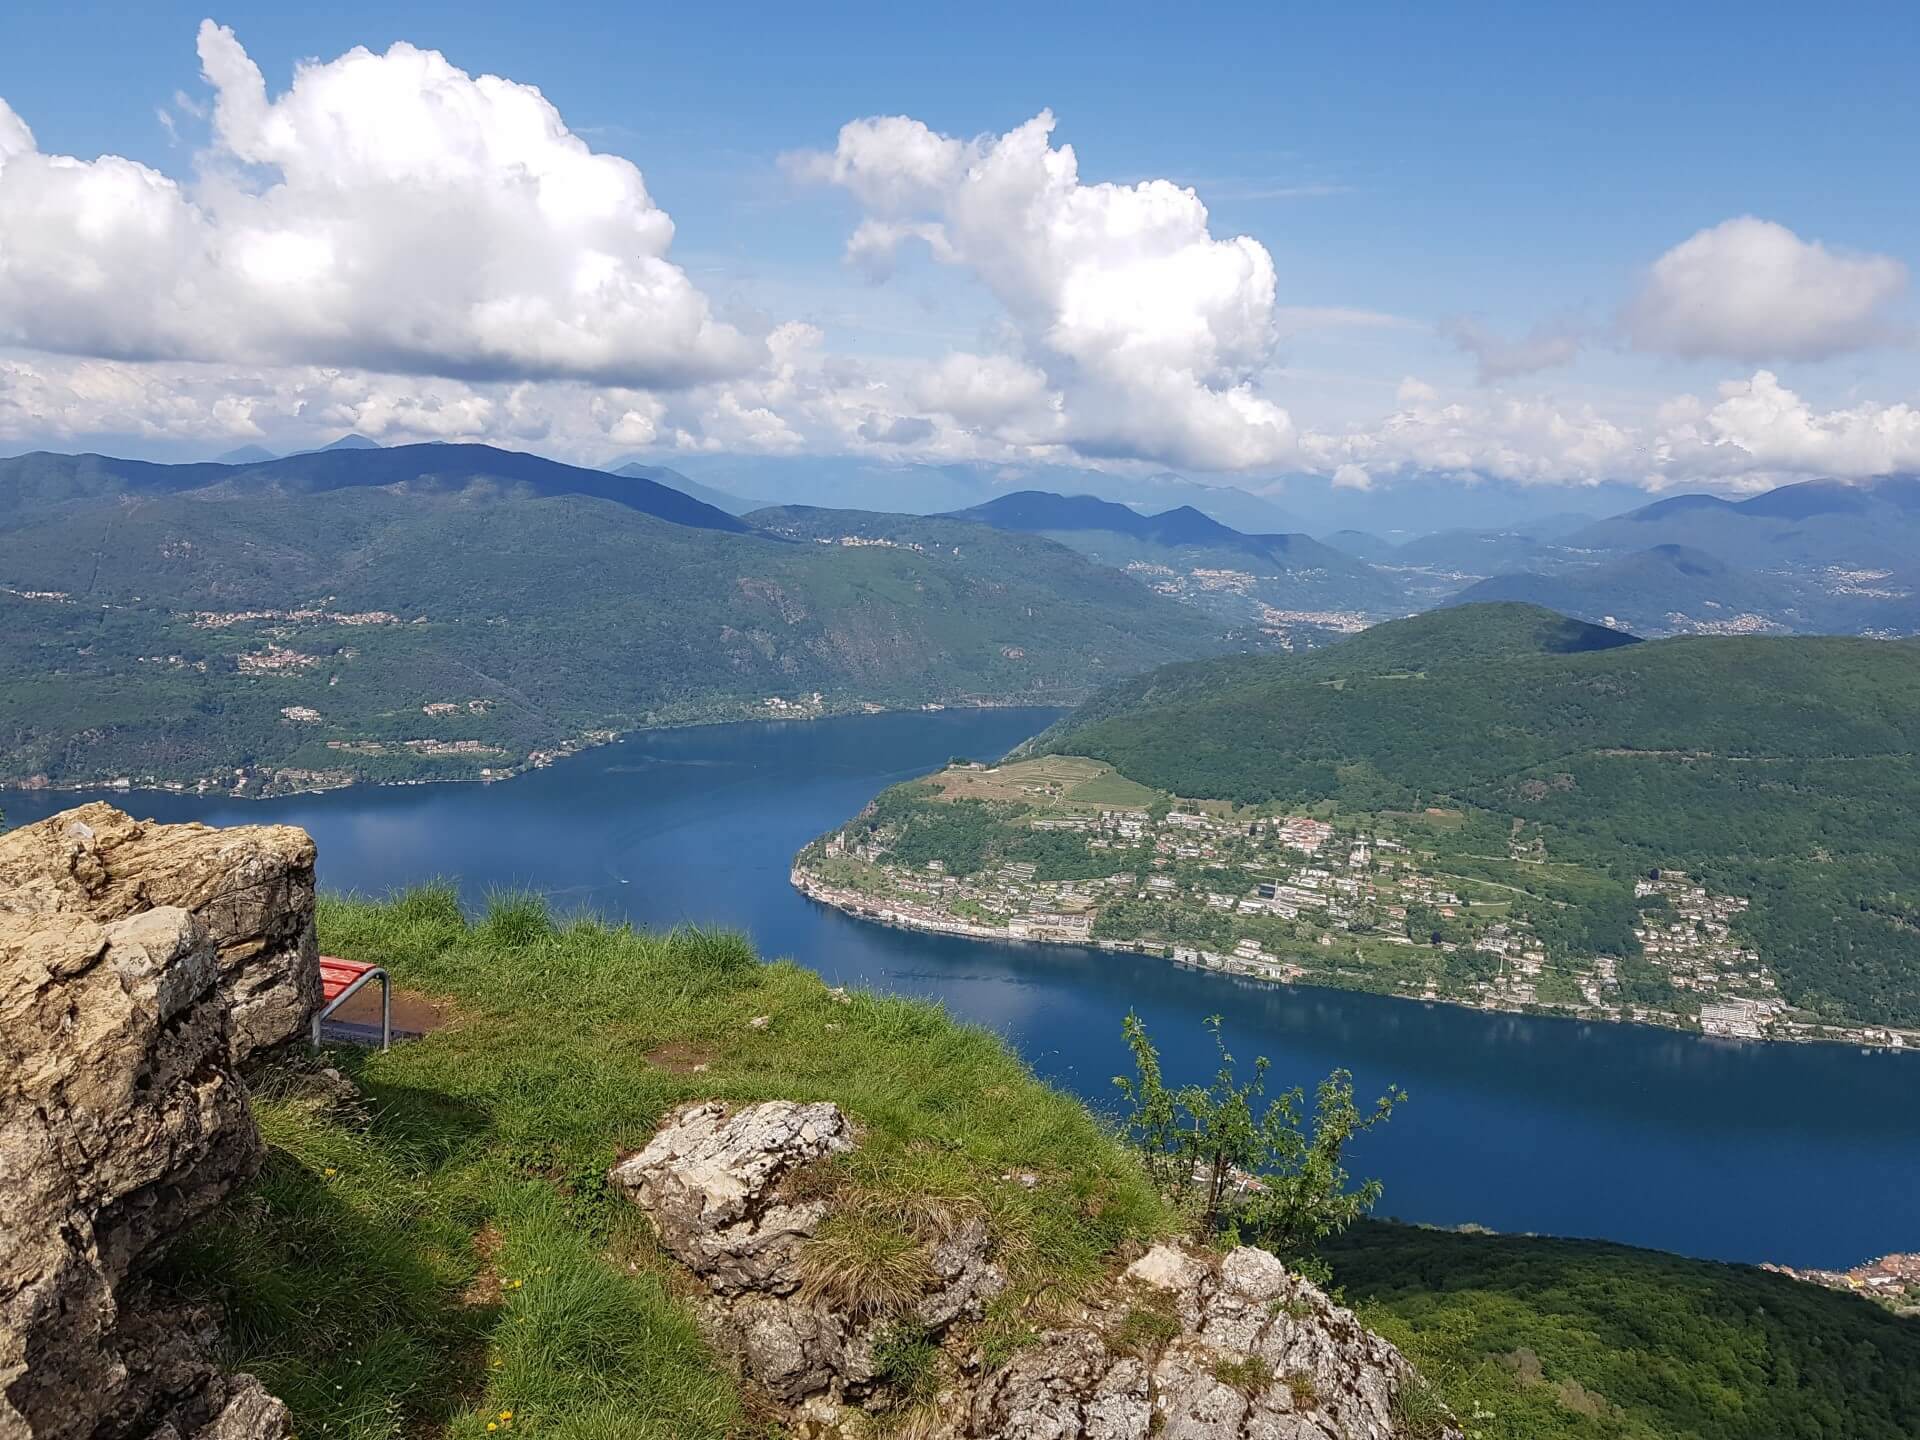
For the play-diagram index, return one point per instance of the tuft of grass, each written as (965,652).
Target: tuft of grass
(1250,1374)
(1306,1395)
(1419,1412)
(863,1263)
(907,1362)
(516,920)
(1146,1329)
(1294,1307)
(456,1253)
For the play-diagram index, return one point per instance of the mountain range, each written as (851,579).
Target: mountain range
(217,614)
(1188,553)
(448,610)
(1821,556)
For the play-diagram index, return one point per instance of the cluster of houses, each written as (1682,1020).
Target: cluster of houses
(1892,1280)
(1690,937)
(1275,896)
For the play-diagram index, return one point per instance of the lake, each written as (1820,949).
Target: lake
(1808,1155)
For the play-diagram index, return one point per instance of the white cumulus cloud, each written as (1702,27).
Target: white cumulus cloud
(387,211)
(1759,430)
(1531,441)
(1151,330)
(1752,290)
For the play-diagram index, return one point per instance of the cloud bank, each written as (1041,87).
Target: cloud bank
(395,246)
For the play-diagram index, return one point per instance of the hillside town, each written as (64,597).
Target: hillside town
(1892,1281)
(1354,902)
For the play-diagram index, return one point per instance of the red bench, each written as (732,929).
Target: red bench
(340,980)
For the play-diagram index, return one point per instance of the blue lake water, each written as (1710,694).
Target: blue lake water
(1802,1154)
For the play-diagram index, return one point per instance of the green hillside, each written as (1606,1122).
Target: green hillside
(180,623)
(446,1255)
(1782,770)
(1590,1338)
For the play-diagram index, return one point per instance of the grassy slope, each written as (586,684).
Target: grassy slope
(456,1255)
(344,1273)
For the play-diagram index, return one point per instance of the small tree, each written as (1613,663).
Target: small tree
(1230,1160)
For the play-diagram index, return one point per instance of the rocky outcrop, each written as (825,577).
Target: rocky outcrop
(1191,1347)
(123,1120)
(711,1182)
(1183,1346)
(251,886)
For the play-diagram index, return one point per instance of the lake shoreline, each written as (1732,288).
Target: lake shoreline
(221,787)
(1806,1155)
(876,912)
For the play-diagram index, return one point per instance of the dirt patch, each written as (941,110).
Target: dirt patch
(485,1291)
(414,1013)
(678,1057)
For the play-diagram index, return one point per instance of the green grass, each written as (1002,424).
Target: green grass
(454,1252)
(447,1254)
(1113,790)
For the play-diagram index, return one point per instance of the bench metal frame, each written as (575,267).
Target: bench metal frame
(386,1005)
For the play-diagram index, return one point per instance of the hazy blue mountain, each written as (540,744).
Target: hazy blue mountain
(1865,524)
(246,455)
(1677,589)
(845,483)
(1041,511)
(1554,526)
(1361,544)
(1470,552)
(1657,591)
(686,485)
(1402,507)
(1184,552)
(351,441)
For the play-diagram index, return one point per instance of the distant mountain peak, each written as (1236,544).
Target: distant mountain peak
(353,440)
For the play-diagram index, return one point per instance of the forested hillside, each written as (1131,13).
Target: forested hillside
(456,610)
(1778,769)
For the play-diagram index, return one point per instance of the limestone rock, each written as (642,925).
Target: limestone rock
(122,1121)
(1256,1353)
(251,886)
(710,1183)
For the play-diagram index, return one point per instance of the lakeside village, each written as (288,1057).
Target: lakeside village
(1892,1281)
(1287,898)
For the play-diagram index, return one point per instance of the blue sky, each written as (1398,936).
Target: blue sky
(1430,185)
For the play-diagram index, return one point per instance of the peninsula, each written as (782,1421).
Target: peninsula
(1687,850)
